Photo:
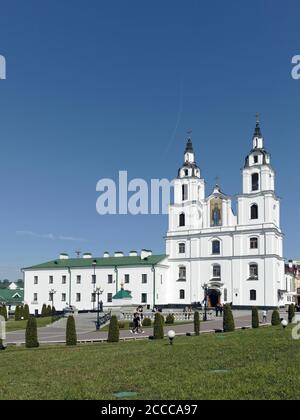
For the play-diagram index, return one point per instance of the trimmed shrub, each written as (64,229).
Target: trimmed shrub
(275,318)
(255,318)
(228,321)
(121,325)
(113,331)
(44,311)
(31,334)
(71,336)
(170,319)
(26,312)
(147,322)
(197,323)
(49,311)
(17,313)
(291,312)
(158,330)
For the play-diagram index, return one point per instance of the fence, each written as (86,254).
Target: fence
(179,316)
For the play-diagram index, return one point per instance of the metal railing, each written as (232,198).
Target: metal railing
(179,316)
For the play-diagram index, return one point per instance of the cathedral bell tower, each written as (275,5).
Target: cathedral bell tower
(189,194)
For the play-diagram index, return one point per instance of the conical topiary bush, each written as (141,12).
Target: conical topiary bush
(197,323)
(31,334)
(291,313)
(275,318)
(158,329)
(26,313)
(114,330)
(255,318)
(228,321)
(71,335)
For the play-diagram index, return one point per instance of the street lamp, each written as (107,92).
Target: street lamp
(171,335)
(205,288)
(52,293)
(94,280)
(284,323)
(98,293)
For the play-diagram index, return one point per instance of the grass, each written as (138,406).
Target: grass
(128,327)
(12,325)
(252,364)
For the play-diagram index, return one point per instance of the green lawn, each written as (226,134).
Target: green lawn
(252,364)
(128,327)
(12,325)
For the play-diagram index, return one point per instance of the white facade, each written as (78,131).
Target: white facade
(238,258)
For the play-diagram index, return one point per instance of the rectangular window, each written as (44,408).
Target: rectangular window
(144,278)
(109,297)
(217,271)
(78,279)
(110,279)
(127,278)
(50,297)
(50,279)
(64,279)
(35,297)
(63,297)
(182,273)
(36,280)
(182,248)
(253,270)
(144,297)
(184,192)
(78,297)
(181,294)
(216,248)
(93,298)
(255,158)
(253,243)
(94,279)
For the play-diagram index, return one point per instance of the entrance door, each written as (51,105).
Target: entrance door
(214,298)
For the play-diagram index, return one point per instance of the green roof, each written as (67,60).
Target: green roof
(123,294)
(8,296)
(100,262)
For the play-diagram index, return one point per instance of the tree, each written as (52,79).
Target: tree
(197,323)
(158,330)
(228,321)
(44,310)
(113,331)
(26,313)
(255,318)
(71,336)
(275,318)
(291,312)
(31,334)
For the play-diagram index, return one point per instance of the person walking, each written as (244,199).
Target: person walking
(217,310)
(265,316)
(135,324)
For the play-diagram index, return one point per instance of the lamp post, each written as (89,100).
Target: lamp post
(52,293)
(98,293)
(94,281)
(205,288)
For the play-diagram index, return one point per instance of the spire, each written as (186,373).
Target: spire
(189,144)
(257,132)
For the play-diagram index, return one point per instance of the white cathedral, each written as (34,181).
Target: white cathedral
(210,251)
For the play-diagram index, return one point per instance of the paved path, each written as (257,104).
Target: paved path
(85,326)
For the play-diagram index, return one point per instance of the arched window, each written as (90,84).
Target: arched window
(254,212)
(255,182)
(182,219)
(217,271)
(182,248)
(253,270)
(184,192)
(186,172)
(182,273)
(253,243)
(216,247)
(225,295)
(252,295)
(181,294)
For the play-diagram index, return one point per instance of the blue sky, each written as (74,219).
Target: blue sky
(101,86)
